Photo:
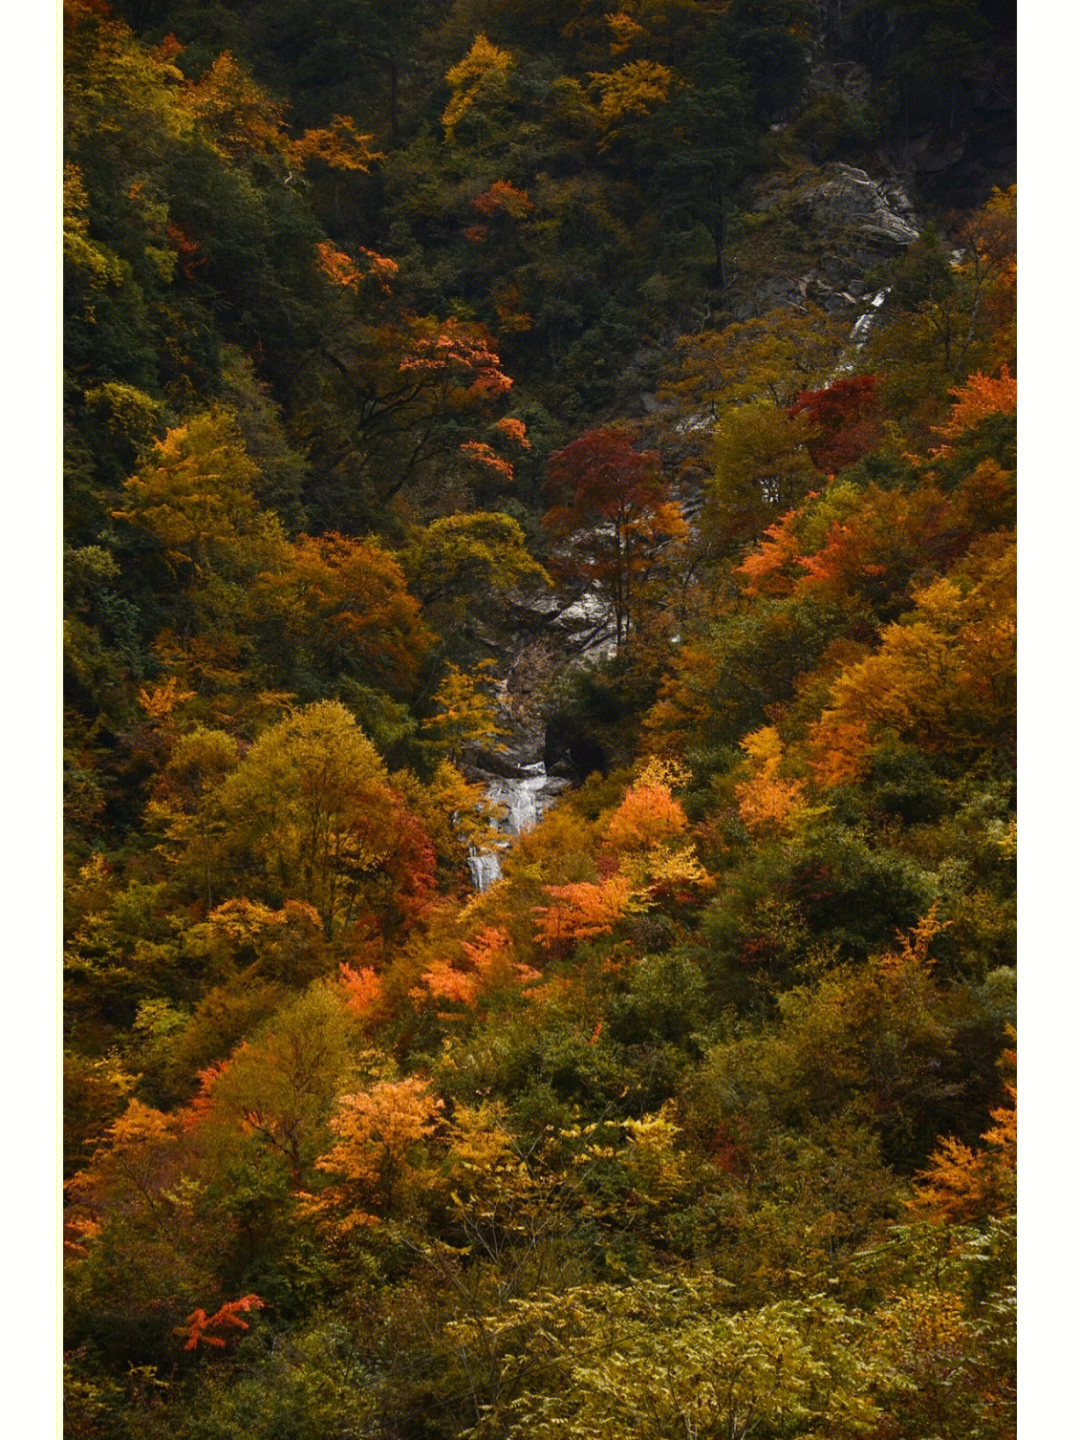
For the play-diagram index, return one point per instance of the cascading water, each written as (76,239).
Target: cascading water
(860,333)
(864,324)
(523,799)
(484,868)
(520,797)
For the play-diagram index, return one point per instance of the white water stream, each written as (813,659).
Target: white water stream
(864,324)
(524,799)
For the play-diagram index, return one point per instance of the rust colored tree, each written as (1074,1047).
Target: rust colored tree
(611,513)
(846,420)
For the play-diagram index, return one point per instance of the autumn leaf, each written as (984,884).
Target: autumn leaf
(768,803)
(466,713)
(612,513)
(979,397)
(771,568)
(381,1132)
(634,89)
(238,116)
(363,990)
(845,418)
(482,454)
(647,815)
(961,1184)
(350,273)
(513,430)
(503,198)
(197,1327)
(482,73)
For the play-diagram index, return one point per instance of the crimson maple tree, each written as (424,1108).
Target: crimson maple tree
(612,510)
(845,416)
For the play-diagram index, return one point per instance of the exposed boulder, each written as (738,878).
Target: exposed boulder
(819,234)
(850,208)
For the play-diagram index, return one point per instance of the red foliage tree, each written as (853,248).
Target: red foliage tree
(845,415)
(612,510)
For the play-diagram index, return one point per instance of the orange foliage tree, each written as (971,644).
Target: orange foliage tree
(379,1152)
(768,803)
(342,606)
(132,1172)
(363,991)
(198,1327)
(239,118)
(961,1184)
(502,203)
(401,388)
(582,910)
(878,542)
(487,964)
(644,838)
(340,146)
(979,397)
(773,567)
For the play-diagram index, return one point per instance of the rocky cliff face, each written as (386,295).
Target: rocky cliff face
(819,234)
(845,205)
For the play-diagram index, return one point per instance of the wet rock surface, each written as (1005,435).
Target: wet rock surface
(538,635)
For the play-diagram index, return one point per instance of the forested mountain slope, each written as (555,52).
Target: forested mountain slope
(390,330)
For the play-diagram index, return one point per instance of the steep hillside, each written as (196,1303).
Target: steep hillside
(457,389)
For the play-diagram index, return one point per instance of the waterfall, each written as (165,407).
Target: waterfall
(484,868)
(524,798)
(521,798)
(860,333)
(863,325)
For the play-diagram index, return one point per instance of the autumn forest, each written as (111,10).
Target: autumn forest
(539,664)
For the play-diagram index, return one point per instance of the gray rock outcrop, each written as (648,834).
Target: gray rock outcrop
(822,234)
(848,205)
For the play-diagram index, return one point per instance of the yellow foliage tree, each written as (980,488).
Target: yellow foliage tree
(480,77)
(309,814)
(633,89)
(340,146)
(239,119)
(768,803)
(198,766)
(944,676)
(467,715)
(280,1085)
(196,494)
